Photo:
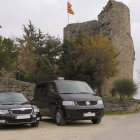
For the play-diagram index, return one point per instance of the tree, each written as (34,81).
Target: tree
(35,35)
(26,60)
(66,63)
(8,53)
(89,58)
(44,44)
(100,53)
(125,88)
(44,70)
(51,50)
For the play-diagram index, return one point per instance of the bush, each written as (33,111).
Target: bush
(125,88)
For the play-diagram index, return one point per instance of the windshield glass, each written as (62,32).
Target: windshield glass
(12,97)
(74,87)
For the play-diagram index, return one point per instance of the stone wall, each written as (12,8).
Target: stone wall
(92,27)
(111,105)
(114,23)
(115,105)
(11,85)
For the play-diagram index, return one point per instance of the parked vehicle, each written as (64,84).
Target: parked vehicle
(68,100)
(16,109)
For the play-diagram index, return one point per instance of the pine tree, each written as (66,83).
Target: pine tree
(8,53)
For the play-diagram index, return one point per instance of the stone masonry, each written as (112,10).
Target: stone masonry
(114,23)
(11,85)
(111,105)
(115,105)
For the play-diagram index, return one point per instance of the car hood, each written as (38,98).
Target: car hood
(7,106)
(79,97)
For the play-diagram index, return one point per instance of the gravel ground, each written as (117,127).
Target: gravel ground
(48,130)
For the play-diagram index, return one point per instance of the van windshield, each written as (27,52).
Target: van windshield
(74,87)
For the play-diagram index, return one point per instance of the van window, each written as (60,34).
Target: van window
(41,90)
(52,86)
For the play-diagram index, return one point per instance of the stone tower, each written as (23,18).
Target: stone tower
(114,23)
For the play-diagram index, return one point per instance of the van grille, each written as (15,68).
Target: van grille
(83,103)
(89,110)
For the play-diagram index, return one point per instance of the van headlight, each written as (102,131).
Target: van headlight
(36,110)
(100,102)
(68,103)
(4,112)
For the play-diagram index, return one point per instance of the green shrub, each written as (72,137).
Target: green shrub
(125,88)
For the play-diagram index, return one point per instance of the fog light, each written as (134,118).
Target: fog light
(38,118)
(2,121)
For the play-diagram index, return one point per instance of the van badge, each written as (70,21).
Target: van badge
(22,109)
(87,103)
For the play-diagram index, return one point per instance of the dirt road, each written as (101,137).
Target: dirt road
(111,127)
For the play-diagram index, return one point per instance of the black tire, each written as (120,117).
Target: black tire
(96,121)
(40,118)
(35,124)
(59,118)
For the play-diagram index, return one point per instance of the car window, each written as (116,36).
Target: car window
(12,97)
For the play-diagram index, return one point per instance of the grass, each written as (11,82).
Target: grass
(121,113)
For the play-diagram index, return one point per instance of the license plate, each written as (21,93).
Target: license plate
(2,121)
(88,114)
(23,117)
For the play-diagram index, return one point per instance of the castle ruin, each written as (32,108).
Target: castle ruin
(113,22)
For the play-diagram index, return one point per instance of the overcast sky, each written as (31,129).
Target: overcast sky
(51,17)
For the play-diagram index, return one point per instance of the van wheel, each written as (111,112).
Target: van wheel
(96,121)
(0,126)
(35,124)
(59,118)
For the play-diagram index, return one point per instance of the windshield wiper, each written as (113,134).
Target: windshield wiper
(82,93)
(67,93)
(7,103)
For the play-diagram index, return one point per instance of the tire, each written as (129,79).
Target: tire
(35,124)
(59,118)
(40,118)
(96,121)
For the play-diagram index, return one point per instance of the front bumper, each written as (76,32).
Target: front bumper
(78,113)
(9,119)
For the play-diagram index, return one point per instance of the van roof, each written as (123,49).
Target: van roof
(59,81)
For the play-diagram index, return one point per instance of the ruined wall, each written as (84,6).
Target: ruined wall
(115,105)
(92,27)
(11,85)
(114,23)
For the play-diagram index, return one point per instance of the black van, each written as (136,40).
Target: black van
(68,100)
(16,109)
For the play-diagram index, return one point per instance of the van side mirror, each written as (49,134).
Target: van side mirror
(52,91)
(31,99)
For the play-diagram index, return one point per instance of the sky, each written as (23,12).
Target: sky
(51,17)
